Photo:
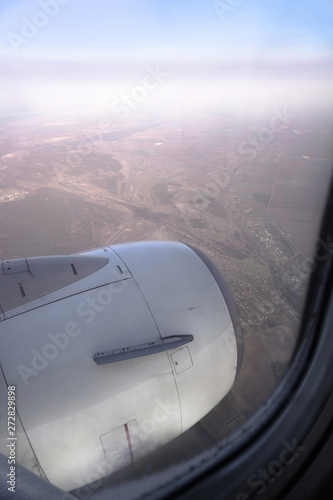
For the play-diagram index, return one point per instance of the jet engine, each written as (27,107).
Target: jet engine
(111,353)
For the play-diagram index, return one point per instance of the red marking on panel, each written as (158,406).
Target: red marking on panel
(129,442)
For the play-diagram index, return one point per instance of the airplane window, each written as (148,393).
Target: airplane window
(180,153)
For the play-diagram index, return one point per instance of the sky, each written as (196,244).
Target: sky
(72,51)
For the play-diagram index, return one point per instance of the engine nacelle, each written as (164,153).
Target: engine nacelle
(112,352)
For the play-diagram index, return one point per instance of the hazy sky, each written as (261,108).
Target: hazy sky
(101,44)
